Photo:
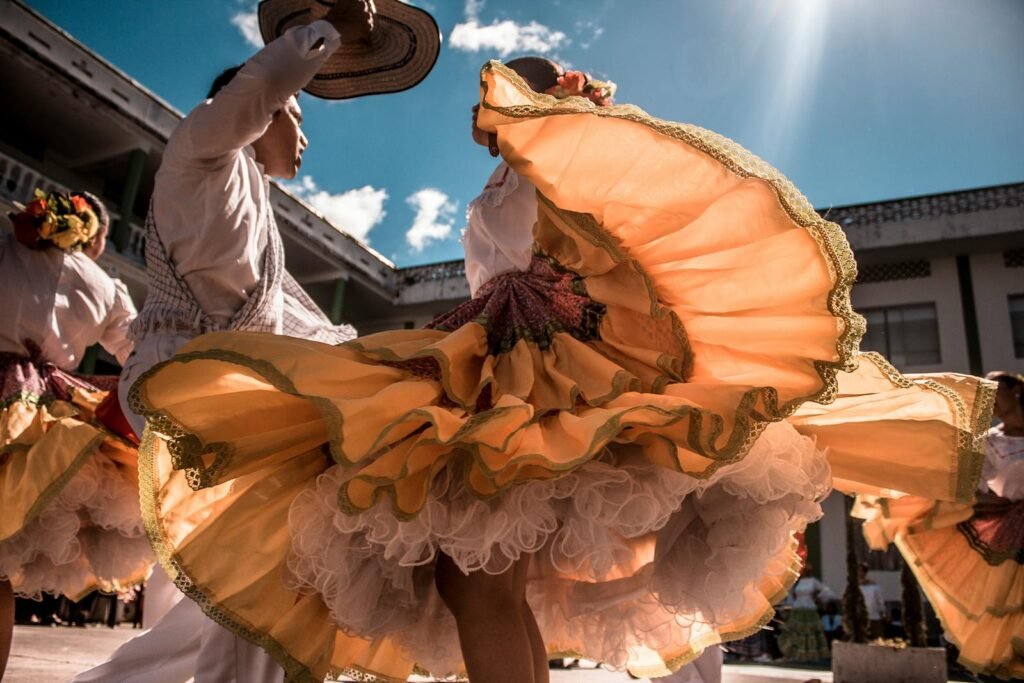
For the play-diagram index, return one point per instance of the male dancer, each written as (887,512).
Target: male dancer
(215,262)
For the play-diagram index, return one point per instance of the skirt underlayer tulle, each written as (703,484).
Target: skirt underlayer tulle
(684,551)
(90,536)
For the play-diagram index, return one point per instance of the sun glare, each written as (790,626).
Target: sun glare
(799,28)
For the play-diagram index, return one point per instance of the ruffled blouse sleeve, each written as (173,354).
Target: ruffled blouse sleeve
(115,338)
(499,231)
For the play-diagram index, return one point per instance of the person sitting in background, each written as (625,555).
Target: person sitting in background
(832,622)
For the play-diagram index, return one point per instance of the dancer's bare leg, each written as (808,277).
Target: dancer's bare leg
(541,673)
(490,612)
(6,623)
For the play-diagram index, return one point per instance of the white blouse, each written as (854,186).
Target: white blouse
(64,303)
(499,231)
(211,196)
(1003,471)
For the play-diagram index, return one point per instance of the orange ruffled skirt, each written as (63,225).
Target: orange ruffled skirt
(69,487)
(645,412)
(969,561)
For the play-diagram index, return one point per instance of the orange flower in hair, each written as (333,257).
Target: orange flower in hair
(80,203)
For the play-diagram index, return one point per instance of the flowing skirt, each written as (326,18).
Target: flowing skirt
(969,561)
(71,521)
(645,412)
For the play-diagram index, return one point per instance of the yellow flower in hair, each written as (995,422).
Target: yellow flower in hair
(66,239)
(48,227)
(92,224)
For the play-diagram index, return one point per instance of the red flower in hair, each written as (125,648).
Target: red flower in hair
(36,207)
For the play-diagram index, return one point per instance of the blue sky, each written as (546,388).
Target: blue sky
(854,100)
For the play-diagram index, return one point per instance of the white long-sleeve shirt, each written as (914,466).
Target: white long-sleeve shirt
(62,303)
(211,195)
(1003,471)
(499,233)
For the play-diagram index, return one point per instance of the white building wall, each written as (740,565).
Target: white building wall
(993,284)
(942,289)
(833,542)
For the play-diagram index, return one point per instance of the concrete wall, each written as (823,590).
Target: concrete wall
(993,283)
(942,289)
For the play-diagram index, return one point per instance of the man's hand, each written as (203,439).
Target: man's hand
(353,19)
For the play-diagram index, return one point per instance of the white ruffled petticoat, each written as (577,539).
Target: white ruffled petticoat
(716,538)
(91,533)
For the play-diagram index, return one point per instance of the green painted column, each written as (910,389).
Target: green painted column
(338,303)
(121,233)
(88,364)
(812,539)
(970,313)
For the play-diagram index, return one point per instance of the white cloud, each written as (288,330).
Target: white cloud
(506,37)
(355,212)
(249,26)
(435,218)
(590,31)
(503,37)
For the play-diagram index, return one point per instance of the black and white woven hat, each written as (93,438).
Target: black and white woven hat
(402,49)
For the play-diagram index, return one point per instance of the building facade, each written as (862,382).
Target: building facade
(941,276)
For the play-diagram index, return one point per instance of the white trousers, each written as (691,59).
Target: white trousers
(186,645)
(183,644)
(705,669)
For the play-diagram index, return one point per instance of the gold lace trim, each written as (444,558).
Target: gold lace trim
(187,449)
(149,495)
(970,428)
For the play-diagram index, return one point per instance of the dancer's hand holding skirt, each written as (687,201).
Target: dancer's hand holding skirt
(618,411)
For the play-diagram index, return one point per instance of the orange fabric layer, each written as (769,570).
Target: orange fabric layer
(41,448)
(980,605)
(889,434)
(726,308)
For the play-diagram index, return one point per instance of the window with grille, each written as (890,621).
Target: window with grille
(887,272)
(1016,302)
(906,335)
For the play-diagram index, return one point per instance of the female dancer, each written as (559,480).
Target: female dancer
(967,559)
(803,636)
(70,520)
(600,454)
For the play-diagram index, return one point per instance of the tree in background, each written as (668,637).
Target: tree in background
(855,610)
(913,609)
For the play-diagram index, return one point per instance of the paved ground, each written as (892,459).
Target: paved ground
(43,654)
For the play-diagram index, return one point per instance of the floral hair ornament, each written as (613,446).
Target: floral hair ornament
(65,220)
(579,84)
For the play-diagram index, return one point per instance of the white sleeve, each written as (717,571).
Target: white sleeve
(115,338)
(242,110)
(1008,482)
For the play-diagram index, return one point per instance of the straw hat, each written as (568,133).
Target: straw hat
(403,47)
